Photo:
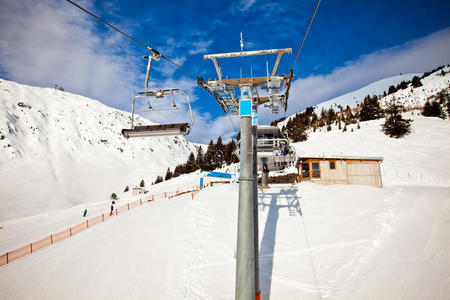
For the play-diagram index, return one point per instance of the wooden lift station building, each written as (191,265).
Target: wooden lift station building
(341,170)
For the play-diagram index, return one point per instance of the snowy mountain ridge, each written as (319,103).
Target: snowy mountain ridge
(62,146)
(409,97)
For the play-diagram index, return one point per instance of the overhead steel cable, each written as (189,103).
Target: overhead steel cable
(306,33)
(134,40)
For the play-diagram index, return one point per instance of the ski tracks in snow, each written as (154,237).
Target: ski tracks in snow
(357,265)
(201,235)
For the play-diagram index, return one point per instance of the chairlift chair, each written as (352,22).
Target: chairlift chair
(159,129)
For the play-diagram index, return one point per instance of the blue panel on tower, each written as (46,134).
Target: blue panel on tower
(245,107)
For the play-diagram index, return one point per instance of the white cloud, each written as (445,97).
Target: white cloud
(242,5)
(48,42)
(200,46)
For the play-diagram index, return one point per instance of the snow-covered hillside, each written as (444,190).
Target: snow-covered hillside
(58,150)
(409,97)
(375,88)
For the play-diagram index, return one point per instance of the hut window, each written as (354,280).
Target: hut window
(332,165)
(315,170)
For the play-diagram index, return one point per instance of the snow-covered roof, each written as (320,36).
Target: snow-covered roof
(376,158)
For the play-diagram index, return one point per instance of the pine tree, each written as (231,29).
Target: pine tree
(403,85)
(168,174)
(392,90)
(158,179)
(433,109)
(113,196)
(200,158)
(178,171)
(209,157)
(230,157)
(142,184)
(191,164)
(416,82)
(370,109)
(395,126)
(219,153)
(126,189)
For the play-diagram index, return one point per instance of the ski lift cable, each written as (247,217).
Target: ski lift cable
(232,123)
(155,52)
(306,33)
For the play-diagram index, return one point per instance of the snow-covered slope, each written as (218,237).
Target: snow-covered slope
(410,97)
(58,150)
(375,88)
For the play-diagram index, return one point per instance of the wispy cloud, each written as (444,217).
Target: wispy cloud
(200,46)
(48,42)
(242,5)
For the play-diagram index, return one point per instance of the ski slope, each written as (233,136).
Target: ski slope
(331,242)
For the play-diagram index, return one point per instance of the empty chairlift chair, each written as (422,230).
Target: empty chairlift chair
(159,129)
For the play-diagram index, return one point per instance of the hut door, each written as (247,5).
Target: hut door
(305,171)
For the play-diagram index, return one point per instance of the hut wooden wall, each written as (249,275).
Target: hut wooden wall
(364,172)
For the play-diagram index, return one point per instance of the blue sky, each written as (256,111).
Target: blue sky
(351,44)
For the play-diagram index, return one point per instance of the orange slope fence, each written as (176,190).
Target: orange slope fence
(67,233)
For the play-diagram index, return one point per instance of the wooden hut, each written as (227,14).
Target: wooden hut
(138,191)
(341,170)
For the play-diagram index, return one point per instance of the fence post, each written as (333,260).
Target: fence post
(51,239)
(128,205)
(165,195)
(140,201)
(117,212)
(103,217)
(153,198)
(31,247)
(87,223)
(70,229)
(7,257)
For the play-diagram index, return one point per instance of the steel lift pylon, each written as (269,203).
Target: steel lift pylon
(246,105)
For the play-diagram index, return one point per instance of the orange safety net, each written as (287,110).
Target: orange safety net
(3,260)
(62,235)
(95,221)
(78,228)
(42,243)
(18,253)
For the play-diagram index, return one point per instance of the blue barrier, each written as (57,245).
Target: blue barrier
(219,175)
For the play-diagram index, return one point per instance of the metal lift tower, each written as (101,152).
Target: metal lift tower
(225,92)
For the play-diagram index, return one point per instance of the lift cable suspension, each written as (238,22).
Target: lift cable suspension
(306,33)
(155,52)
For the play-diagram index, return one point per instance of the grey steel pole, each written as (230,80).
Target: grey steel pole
(255,194)
(245,262)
